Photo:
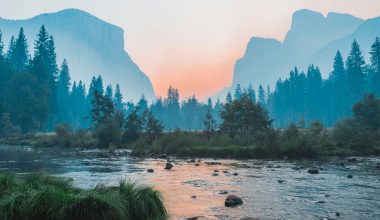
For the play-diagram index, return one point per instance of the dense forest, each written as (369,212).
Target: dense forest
(38,94)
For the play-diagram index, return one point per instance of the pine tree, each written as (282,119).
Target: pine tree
(118,99)
(173,108)
(45,58)
(355,73)
(251,92)
(262,99)
(238,92)
(338,88)
(109,92)
(142,105)
(18,53)
(375,67)
(63,93)
(228,97)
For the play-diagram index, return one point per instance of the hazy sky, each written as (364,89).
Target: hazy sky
(191,44)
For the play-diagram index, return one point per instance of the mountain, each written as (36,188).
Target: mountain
(267,60)
(91,47)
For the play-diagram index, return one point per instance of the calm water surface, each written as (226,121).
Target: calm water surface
(192,191)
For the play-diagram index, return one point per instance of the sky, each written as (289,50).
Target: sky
(191,44)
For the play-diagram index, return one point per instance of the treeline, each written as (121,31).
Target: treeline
(246,131)
(36,94)
(307,96)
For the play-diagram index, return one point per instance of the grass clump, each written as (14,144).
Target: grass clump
(38,196)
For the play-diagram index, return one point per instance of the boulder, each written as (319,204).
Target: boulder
(280,181)
(235,174)
(313,170)
(233,200)
(196,164)
(150,170)
(192,160)
(168,166)
(352,159)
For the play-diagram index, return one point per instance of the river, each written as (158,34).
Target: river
(270,189)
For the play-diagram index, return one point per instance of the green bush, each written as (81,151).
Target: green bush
(37,196)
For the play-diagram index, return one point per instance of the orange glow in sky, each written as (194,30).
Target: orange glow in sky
(192,45)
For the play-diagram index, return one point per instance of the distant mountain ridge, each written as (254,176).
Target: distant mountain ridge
(266,60)
(91,47)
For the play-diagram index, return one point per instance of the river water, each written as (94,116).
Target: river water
(270,189)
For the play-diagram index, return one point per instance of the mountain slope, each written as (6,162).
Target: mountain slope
(90,45)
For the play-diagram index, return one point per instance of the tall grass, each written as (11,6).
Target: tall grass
(38,196)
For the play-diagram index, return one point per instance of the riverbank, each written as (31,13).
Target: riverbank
(271,145)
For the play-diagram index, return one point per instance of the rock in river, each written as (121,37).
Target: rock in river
(233,200)
(313,170)
(150,170)
(168,166)
(349,176)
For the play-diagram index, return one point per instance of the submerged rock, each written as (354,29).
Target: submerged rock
(233,200)
(352,159)
(313,170)
(193,218)
(215,174)
(280,181)
(349,176)
(168,166)
(150,170)
(319,202)
(235,174)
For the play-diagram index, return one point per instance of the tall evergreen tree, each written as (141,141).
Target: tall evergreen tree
(262,99)
(337,88)
(238,92)
(355,73)
(63,93)
(18,53)
(172,117)
(228,97)
(118,99)
(251,92)
(109,92)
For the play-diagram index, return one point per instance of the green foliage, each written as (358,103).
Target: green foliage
(37,196)
(243,116)
(107,122)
